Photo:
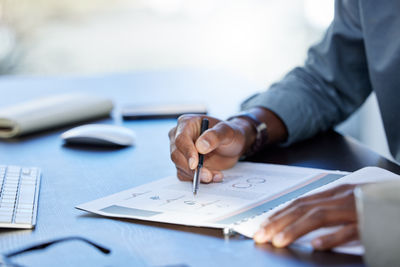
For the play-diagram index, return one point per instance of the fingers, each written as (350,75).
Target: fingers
(186,132)
(332,207)
(208,176)
(186,146)
(182,150)
(217,176)
(279,222)
(316,197)
(346,234)
(313,220)
(220,134)
(184,173)
(276,225)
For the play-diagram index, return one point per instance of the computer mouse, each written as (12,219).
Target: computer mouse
(99,134)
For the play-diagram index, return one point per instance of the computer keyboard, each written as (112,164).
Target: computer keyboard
(18,196)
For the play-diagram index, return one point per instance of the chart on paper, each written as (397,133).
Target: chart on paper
(247,190)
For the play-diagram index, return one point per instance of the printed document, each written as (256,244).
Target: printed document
(249,193)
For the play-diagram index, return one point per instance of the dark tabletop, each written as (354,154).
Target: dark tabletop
(74,175)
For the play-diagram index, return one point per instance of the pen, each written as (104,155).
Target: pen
(196,180)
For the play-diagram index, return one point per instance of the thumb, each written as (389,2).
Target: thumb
(220,134)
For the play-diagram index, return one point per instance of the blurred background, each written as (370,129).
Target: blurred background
(259,40)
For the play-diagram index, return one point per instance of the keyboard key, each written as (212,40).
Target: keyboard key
(10,188)
(5,214)
(28,178)
(24,211)
(28,182)
(6,218)
(10,191)
(8,194)
(7,205)
(13,183)
(12,174)
(26,171)
(9,200)
(28,188)
(23,219)
(23,206)
(14,168)
(20,213)
(11,179)
(27,195)
(6,209)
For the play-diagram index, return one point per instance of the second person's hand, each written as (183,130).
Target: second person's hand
(222,144)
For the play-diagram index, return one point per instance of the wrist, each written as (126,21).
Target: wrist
(256,134)
(247,130)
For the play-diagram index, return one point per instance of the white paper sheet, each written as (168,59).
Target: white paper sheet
(365,175)
(249,193)
(248,189)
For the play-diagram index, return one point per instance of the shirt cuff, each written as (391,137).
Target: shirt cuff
(289,106)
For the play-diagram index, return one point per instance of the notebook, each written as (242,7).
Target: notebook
(52,111)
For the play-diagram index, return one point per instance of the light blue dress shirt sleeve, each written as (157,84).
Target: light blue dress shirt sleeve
(331,85)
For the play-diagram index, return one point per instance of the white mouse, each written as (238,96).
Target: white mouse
(99,134)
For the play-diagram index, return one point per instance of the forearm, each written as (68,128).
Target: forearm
(331,85)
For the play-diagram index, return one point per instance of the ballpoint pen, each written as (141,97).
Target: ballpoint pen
(196,180)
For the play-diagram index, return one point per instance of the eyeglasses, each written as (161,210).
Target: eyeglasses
(5,258)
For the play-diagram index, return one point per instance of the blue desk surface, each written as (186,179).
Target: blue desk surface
(73,175)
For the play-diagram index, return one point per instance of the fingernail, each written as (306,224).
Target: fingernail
(205,177)
(317,243)
(278,240)
(192,163)
(217,177)
(265,223)
(260,236)
(203,145)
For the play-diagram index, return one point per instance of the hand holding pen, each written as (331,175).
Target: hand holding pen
(221,145)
